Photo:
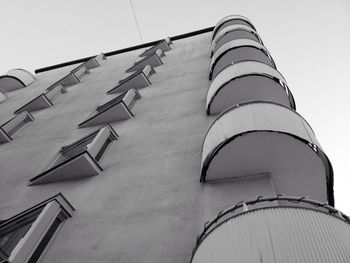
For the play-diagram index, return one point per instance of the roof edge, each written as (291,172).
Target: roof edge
(124,50)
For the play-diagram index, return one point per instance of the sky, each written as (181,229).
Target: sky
(309,41)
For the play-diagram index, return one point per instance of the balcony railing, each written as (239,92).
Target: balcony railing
(236,51)
(280,229)
(234,32)
(231,20)
(246,82)
(267,138)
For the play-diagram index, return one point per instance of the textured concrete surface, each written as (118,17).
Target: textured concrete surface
(147,205)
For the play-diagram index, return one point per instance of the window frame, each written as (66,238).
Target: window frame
(54,170)
(52,208)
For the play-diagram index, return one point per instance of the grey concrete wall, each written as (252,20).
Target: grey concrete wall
(147,205)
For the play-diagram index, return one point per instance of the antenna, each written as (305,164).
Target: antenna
(137,24)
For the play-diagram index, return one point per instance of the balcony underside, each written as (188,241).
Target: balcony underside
(278,234)
(267,138)
(293,165)
(233,35)
(239,54)
(247,82)
(9,83)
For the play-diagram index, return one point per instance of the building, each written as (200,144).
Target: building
(125,156)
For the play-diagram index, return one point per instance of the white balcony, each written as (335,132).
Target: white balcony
(79,159)
(247,81)
(153,60)
(236,51)
(16,79)
(136,80)
(116,109)
(231,20)
(267,138)
(164,45)
(234,32)
(302,231)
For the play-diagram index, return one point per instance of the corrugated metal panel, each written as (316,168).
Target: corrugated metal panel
(255,117)
(279,235)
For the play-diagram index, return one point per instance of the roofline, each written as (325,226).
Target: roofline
(124,50)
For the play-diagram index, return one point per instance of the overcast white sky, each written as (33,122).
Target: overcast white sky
(308,39)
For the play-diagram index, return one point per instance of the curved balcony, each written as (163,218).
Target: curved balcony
(270,139)
(236,51)
(245,82)
(234,32)
(302,230)
(231,20)
(16,79)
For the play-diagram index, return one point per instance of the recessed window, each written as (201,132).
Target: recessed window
(137,80)
(27,236)
(13,125)
(80,71)
(153,60)
(81,158)
(116,109)
(164,45)
(99,58)
(44,100)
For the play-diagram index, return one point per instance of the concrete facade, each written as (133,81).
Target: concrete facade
(147,205)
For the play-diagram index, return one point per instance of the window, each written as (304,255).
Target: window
(14,124)
(81,158)
(99,58)
(153,60)
(80,71)
(164,45)
(3,95)
(137,80)
(26,237)
(116,109)
(68,80)
(44,100)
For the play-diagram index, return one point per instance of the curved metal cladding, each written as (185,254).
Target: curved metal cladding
(247,81)
(238,50)
(231,33)
(16,79)
(267,138)
(231,20)
(277,234)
